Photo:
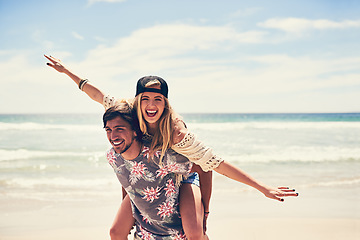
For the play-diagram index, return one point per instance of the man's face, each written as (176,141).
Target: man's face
(120,134)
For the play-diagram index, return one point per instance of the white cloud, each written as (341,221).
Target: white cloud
(77,36)
(292,74)
(149,48)
(176,51)
(196,61)
(299,25)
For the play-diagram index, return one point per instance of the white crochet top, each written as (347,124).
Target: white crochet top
(189,146)
(197,152)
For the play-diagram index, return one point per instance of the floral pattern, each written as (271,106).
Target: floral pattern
(151,194)
(137,171)
(110,155)
(166,209)
(152,190)
(162,172)
(146,152)
(170,189)
(145,234)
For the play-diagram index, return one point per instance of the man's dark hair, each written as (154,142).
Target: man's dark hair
(126,112)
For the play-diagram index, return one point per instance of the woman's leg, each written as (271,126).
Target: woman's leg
(192,212)
(123,221)
(205,188)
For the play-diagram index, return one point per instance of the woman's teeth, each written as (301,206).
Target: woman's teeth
(151,113)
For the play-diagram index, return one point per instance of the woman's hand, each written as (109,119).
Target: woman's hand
(279,193)
(92,91)
(56,64)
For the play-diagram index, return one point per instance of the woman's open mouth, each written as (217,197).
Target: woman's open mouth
(151,113)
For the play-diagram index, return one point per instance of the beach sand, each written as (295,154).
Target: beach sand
(243,214)
(271,220)
(94,224)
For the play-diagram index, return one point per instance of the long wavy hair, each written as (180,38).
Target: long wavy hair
(162,138)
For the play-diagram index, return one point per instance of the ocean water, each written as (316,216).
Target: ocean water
(61,158)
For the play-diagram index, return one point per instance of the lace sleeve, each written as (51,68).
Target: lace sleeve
(197,152)
(108,101)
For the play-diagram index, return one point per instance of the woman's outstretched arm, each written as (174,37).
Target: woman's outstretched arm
(237,174)
(200,154)
(92,91)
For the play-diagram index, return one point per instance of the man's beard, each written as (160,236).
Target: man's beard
(127,146)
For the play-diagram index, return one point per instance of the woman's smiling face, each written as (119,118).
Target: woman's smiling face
(152,106)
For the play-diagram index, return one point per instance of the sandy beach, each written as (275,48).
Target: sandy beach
(245,214)
(219,229)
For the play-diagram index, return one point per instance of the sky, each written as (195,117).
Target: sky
(279,56)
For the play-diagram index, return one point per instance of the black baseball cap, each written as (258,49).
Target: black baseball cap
(140,87)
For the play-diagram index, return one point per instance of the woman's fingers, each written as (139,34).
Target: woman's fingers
(286,189)
(291,194)
(286,192)
(49,58)
(55,63)
(281,192)
(52,59)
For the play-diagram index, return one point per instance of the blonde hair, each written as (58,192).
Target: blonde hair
(162,139)
(153,84)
